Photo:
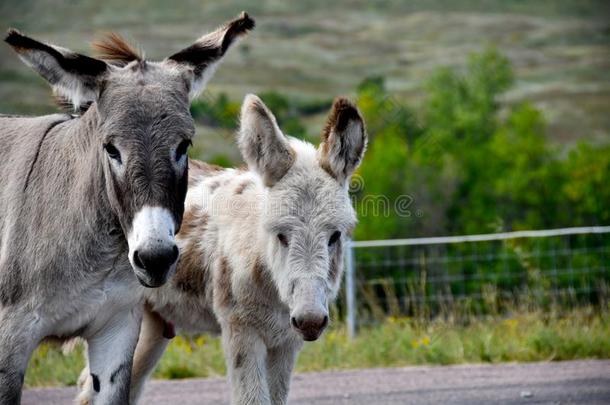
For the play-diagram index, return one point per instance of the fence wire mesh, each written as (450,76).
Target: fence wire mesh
(478,275)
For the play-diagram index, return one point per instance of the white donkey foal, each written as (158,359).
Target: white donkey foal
(260,252)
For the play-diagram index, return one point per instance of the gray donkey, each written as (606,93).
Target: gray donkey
(89,205)
(260,253)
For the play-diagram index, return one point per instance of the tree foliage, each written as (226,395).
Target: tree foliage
(470,165)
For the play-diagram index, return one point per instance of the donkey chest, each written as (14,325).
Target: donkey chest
(272,323)
(262,313)
(94,307)
(189,313)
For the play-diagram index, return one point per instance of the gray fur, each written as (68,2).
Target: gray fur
(245,282)
(67,208)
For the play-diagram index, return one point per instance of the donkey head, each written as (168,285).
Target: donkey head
(309,210)
(139,115)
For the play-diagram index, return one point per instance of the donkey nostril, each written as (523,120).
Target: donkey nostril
(324,322)
(294,322)
(137,260)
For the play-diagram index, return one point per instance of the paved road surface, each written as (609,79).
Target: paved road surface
(574,382)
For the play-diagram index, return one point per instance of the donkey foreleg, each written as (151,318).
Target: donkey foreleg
(110,358)
(246,356)
(154,337)
(19,336)
(280,362)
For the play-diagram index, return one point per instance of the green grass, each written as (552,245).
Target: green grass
(578,334)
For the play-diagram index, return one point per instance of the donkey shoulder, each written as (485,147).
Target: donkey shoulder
(28,122)
(21,138)
(199,170)
(26,131)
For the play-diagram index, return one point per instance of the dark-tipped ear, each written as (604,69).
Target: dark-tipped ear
(343,140)
(73,76)
(262,144)
(203,56)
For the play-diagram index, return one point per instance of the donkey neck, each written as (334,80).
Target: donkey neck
(89,127)
(248,199)
(62,220)
(70,172)
(232,202)
(84,138)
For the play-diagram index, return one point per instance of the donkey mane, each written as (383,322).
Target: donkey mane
(115,49)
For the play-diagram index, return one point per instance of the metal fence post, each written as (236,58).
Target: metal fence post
(350,289)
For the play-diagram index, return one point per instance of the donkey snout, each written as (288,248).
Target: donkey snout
(309,324)
(152,248)
(156,263)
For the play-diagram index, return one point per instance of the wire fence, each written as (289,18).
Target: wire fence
(476,275)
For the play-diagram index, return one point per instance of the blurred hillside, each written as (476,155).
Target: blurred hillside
(318,49)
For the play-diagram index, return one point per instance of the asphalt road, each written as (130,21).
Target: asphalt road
(574,382)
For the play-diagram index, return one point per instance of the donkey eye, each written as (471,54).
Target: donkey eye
(113,152)
(283,239)
(334,238)
(182,148)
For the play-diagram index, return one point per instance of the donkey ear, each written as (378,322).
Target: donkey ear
(73,76)
(205,54)
(343,140)
(263,145)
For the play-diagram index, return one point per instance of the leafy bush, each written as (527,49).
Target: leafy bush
(216,111)
(468,166)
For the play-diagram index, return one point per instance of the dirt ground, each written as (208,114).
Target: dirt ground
(574,382)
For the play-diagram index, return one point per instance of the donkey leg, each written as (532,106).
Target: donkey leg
(153,340)
(280,362)
(111,356)
(150,347)
(85,386)
(246,356)
(18,338)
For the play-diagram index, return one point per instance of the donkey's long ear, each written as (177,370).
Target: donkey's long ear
(343,140)
(73,76)
(205,54)
(263,146)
